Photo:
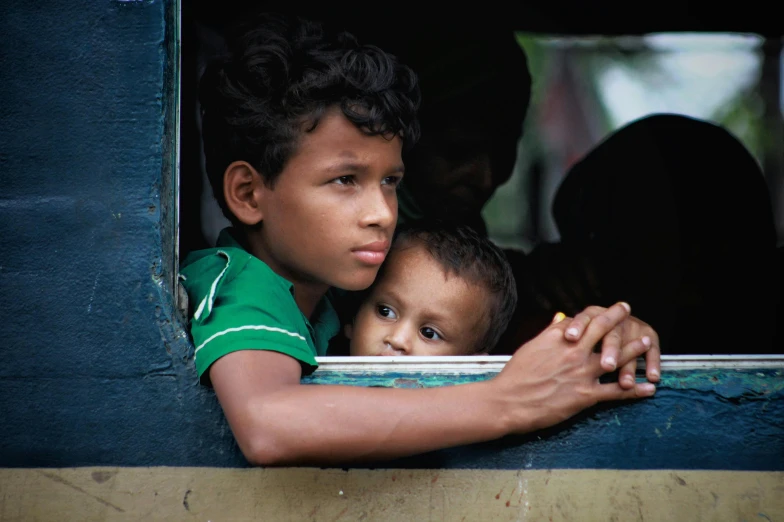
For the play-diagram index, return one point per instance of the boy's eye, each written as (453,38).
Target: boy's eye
(429,333)
(344,180)
(392,180)
(385,311)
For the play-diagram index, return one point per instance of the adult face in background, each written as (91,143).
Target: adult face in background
(476,89)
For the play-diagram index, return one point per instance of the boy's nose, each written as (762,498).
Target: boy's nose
(399,339)
(379,209)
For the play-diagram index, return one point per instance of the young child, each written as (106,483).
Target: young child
(303,135)
(443,290)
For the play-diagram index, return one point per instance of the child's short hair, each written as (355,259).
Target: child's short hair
(279,77)
(462,251)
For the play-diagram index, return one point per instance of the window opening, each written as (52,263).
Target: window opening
(603,78)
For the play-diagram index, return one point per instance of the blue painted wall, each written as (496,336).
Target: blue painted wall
(94,367)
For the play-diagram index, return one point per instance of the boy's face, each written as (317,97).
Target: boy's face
(329,219)
(417,309)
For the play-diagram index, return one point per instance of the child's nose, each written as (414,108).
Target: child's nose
(379,209)
(399,339)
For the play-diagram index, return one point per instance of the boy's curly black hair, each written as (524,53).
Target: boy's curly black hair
(462,251)
(280,75)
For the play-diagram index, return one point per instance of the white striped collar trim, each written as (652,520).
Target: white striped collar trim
(249,327)
(210,298)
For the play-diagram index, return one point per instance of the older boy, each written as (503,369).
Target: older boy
(303,135)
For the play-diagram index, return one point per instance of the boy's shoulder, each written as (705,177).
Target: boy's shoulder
(237,302)
(205,268)
(229,269)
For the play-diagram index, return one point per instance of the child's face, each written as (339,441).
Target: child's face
(329,219)
(416,309)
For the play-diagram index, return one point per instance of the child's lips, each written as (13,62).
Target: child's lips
(372,253)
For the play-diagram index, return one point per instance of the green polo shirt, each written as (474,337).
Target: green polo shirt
(238,303)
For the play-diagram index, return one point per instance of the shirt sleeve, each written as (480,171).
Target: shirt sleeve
(242,305)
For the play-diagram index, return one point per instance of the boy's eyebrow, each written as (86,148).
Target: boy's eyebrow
(350,162)
(355,166)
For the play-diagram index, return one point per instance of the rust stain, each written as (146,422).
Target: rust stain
(56,478)
(102,476)
(313,511)
(340,514)
(407,383)
(507,503)
(499,494)
(434,479)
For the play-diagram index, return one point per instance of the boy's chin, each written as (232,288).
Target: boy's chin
(354,284)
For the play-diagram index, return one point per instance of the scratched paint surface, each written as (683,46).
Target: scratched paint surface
(106,494)
(700,419)
(95,368)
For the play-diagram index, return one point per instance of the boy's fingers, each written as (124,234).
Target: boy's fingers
(653,360)
(634,349)
(611,348)
(584,318)
(628,361)
(627,375)
(578,325)
(613,391)
(603,324)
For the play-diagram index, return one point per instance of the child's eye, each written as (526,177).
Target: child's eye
(385,311)
(344,180)
(429,333)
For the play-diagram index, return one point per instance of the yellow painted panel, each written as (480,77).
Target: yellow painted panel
(303,494)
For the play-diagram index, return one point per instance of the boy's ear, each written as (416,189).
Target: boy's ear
(348,330)
(243,188)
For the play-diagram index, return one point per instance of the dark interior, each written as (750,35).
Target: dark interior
(404,31)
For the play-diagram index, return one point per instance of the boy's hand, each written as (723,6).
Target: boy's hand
(550,378)
(630,329)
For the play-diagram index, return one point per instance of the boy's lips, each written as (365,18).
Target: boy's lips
(372,253)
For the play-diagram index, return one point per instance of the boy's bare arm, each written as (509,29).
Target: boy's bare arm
(276,420)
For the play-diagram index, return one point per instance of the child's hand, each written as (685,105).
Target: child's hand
(550,378)
(629,330)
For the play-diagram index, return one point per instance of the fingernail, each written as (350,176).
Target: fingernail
(654,373)
(560,316)
(627,306)
(572,332)
(610,362)
(628,379)
(646,340)
(647,388)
